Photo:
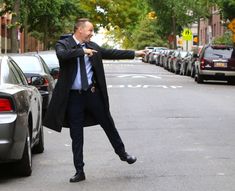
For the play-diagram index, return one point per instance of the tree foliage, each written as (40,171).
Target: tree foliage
(147,34)
(227,8)
(173,15)
(125,20)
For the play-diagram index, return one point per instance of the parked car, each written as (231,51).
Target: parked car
(172,59)
(176,65)
(166,57)
(154,54)
(21,130)
(148,49)
(51,61)
(186,64)
(216,62)
(160,56)
(33,65)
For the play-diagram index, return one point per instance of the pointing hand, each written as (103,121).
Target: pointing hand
(89,52)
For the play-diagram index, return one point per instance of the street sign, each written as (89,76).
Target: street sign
(231,25)
(187,34)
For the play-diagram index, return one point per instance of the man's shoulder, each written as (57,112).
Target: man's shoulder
(67,41)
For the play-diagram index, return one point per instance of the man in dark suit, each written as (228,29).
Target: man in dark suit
(80,97)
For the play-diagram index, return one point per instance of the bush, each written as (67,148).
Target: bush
(226,39)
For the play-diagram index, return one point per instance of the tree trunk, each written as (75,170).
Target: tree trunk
(14,29)
(45,38)
(26,27)
(26,49)
(198,31)
(174,31)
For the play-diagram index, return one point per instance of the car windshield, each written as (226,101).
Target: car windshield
(218,53)
(51,60)
(28,64)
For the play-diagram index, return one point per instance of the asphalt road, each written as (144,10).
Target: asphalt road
(183,134)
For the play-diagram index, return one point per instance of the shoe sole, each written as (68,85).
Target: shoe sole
(79,180)
(131,162)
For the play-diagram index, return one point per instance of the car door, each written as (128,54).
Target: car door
(34,96)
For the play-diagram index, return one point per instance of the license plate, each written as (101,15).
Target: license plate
(220,64)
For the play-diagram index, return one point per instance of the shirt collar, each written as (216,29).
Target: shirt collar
(77,41)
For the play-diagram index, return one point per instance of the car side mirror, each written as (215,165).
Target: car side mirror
(55,72)
(37,81)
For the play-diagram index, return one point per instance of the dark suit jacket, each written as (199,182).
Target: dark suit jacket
(67,53)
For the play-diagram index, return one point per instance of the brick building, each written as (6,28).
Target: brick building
(5,38)
(212,27)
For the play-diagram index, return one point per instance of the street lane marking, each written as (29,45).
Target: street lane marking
(143,86)
(139,76)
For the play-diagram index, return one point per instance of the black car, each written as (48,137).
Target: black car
(34,65)
(21,130)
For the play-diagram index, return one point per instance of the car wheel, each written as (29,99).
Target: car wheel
(24,166)
(177,69)
(187,73)
(199,78)
(39,148)
(192,72)
(231,81)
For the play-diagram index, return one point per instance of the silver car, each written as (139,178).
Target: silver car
(21,131)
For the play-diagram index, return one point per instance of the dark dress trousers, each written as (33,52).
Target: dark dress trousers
(75,110)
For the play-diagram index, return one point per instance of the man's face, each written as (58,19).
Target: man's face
(86,32)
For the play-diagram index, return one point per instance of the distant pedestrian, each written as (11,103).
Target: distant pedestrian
(80,97)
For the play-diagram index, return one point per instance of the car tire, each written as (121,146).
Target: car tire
(231,81)
(199,78)
(39,148)
(24,166)
(187,72)
(192,74)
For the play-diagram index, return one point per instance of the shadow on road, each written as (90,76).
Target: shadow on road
(7,173)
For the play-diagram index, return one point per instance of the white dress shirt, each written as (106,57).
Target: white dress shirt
(77,85)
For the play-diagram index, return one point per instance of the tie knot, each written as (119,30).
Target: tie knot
(81,45)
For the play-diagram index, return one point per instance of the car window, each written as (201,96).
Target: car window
(20,73)
(51,60)
(8,75)
(46,69)
(14,71)
(217,53)
(28,64)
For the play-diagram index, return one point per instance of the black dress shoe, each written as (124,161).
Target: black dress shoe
(78,177)
(128,158)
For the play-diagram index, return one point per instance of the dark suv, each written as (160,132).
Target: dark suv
(216,62)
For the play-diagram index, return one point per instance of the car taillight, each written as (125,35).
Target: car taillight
(202,63)
(46,82)
(5,105)
(29,80)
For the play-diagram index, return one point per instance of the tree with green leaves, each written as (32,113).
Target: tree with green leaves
(173,15)
(147,34)
(119,17)
(46,20)
(227,8)
(13,7)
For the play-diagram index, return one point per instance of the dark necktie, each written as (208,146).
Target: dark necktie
(84,80)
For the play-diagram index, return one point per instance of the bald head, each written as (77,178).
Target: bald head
(81,23)
(83,30)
